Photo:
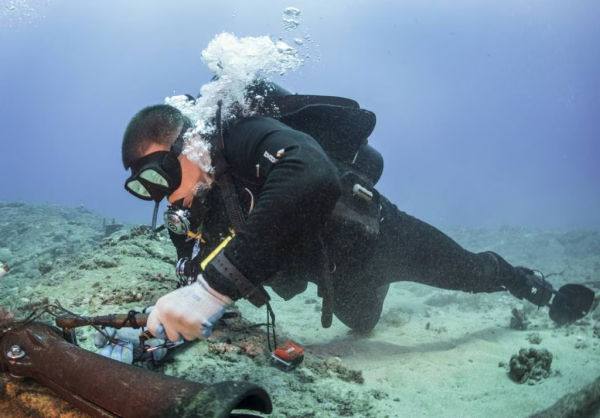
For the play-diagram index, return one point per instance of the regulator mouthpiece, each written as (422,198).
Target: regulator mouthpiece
(3,269)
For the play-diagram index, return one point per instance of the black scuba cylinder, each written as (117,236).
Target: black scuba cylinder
(369,162)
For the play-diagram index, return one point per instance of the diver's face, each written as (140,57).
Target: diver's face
(191,176)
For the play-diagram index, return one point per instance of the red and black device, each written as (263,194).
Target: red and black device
(288,357)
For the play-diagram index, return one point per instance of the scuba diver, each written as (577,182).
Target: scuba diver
(286,196)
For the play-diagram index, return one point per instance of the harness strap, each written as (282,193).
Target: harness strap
(325,289)
(257,295)
(226,186)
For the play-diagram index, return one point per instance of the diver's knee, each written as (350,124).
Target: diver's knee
(361,312)
(356,322)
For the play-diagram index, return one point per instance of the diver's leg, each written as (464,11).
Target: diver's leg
(411,250)
(359,308)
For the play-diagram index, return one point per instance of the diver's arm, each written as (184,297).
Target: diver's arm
(301,187)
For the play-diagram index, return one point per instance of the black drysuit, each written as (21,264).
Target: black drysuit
(290,236)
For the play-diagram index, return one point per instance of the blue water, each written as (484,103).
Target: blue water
(487,112)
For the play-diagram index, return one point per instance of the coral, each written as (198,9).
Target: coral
(333,367)
(45,267)
(530,365)
(6,316)
(105,261)
(142,230)
(519,320)
(249,346)
(534,338)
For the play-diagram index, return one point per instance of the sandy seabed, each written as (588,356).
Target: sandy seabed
(434,353)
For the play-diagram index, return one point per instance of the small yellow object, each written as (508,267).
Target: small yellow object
(193,235)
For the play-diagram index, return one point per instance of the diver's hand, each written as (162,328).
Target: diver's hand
(188,312)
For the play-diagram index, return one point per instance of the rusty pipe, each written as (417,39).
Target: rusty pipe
(114,321)
(102,387)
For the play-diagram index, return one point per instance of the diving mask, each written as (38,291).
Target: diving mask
(158,174)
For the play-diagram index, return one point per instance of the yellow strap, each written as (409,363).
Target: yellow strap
(215,252)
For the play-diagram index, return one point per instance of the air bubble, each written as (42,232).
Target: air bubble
(20,12)
(291,18)
(290,24)
(292,11)
(236,63)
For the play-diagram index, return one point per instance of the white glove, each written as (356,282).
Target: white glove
(189,312)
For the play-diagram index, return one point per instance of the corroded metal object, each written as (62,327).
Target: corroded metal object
(102,387)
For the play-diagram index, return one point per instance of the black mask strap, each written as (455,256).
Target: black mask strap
(177,146)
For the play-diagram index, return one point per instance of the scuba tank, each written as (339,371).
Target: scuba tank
(342,129)
(338,124)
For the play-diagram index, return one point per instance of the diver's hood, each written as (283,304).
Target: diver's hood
(338,124)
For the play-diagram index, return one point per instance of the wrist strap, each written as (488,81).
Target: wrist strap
(256,295)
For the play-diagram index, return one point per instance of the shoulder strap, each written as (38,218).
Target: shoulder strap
(257,295)
(224,178)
